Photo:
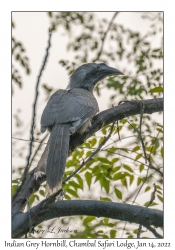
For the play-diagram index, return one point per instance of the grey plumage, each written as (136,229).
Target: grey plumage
(69,111)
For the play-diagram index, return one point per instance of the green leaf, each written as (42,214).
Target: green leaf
(124,182)
(104,160)
(101,140)
(128,168)
(138,157)
(118,176)
(136,148)
(148,149)
(160,130)
(104,130)
(131,179)
(100,231)
(141,167)
(147,189)
(156,89)
(67,173)
(124,149)
(17,56)
(15,181)
(139,180)
(32,199)
(67,197)
(80,154)
(118,193)
(72,192)
(105,183)
(151,205)
(114,170)
(114,160)
(111,151)
(88,177)
(160,198)
(106,220)
(104,236)
(159,192)
(162,152)
(121,175)
(112,233)
(14,188)
(49,13)
(87,165)
(87,144)
(74,184)
(93,141)
(158,187)
(88,219)
(42,192)
(105,199)
(99,176)
(155,141)
(111,224)
(123,121)
(80,181)
(96,170)
(37,197)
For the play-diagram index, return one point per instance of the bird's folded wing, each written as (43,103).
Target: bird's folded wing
(66,106)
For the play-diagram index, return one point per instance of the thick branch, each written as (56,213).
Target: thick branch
(115,114)
(100,120)
(124,212)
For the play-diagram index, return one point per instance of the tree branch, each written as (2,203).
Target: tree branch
(45,210)
(34,107)
(114,114)
(104,37)
(156,234)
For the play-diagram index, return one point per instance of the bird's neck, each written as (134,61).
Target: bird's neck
(85,86)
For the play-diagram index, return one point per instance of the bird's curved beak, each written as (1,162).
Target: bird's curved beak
(111,71)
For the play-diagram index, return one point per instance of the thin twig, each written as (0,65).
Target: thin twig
(149,203)
(29,140)
(139,131)
(34,107)
(149,166)
(143,183)
(152,230)
(118,132)
(104,37)
(91,156)
(152,196)
(157,170)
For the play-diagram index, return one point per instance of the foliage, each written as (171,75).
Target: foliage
(18,54)
(118,172)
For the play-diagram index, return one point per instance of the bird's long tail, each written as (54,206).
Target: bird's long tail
(58,151)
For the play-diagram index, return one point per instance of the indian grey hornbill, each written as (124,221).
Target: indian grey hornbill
(70,111)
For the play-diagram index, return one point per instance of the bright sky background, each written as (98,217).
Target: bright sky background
(36,57)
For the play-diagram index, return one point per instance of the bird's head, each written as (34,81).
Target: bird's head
(89,74)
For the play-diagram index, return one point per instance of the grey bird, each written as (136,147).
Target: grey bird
(70,111)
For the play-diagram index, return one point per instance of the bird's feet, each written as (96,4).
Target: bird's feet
(39,174)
